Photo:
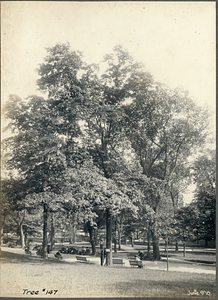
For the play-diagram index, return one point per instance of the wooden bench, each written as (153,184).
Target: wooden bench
(136,263)
(82,259)
(118,261)
(132,256)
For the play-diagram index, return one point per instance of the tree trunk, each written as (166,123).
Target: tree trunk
(115,245)
(25,238)
(184,246)
(74,232)
(92,239)
(137,234)
(115,237)
(148,239)
(206,242)
(176,247)
(131,238)
(2,229)
(2,234)
(155,238)
(119,235)
(108,237)
(21,216)
(156,251)
(52,232)
(70,231)
(22,238)
(45,231)
(155,242)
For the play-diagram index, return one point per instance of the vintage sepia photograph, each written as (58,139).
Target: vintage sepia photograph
(108,165)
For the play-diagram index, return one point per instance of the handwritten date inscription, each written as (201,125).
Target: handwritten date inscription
(202,293)
(44,291)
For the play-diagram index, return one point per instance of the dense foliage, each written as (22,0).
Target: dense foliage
(107,146)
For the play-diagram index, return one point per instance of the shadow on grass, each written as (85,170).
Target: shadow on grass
(204,260)
(149,288)
(9,257)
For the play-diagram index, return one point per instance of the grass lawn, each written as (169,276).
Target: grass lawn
(89,280)
(192,256)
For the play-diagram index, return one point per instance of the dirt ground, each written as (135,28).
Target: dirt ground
(25,276)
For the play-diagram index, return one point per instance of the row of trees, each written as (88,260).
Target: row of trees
(107,146)
(197,220)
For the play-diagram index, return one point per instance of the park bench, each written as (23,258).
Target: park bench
(11,245)
(118,261)
(82,259)
(132,256)
(136,263)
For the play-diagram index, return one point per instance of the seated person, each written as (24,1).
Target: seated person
(138,259)
(140,254)
(58,255)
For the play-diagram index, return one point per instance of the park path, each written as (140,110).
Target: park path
(173,265)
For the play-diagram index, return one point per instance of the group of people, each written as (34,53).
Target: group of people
(71,250)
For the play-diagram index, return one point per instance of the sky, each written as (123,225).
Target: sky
(174,40)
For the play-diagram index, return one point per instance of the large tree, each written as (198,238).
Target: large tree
(103,123)
(165,128)
(35,150)
(44,145)
(83,132)
(47,133)
(13,211)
